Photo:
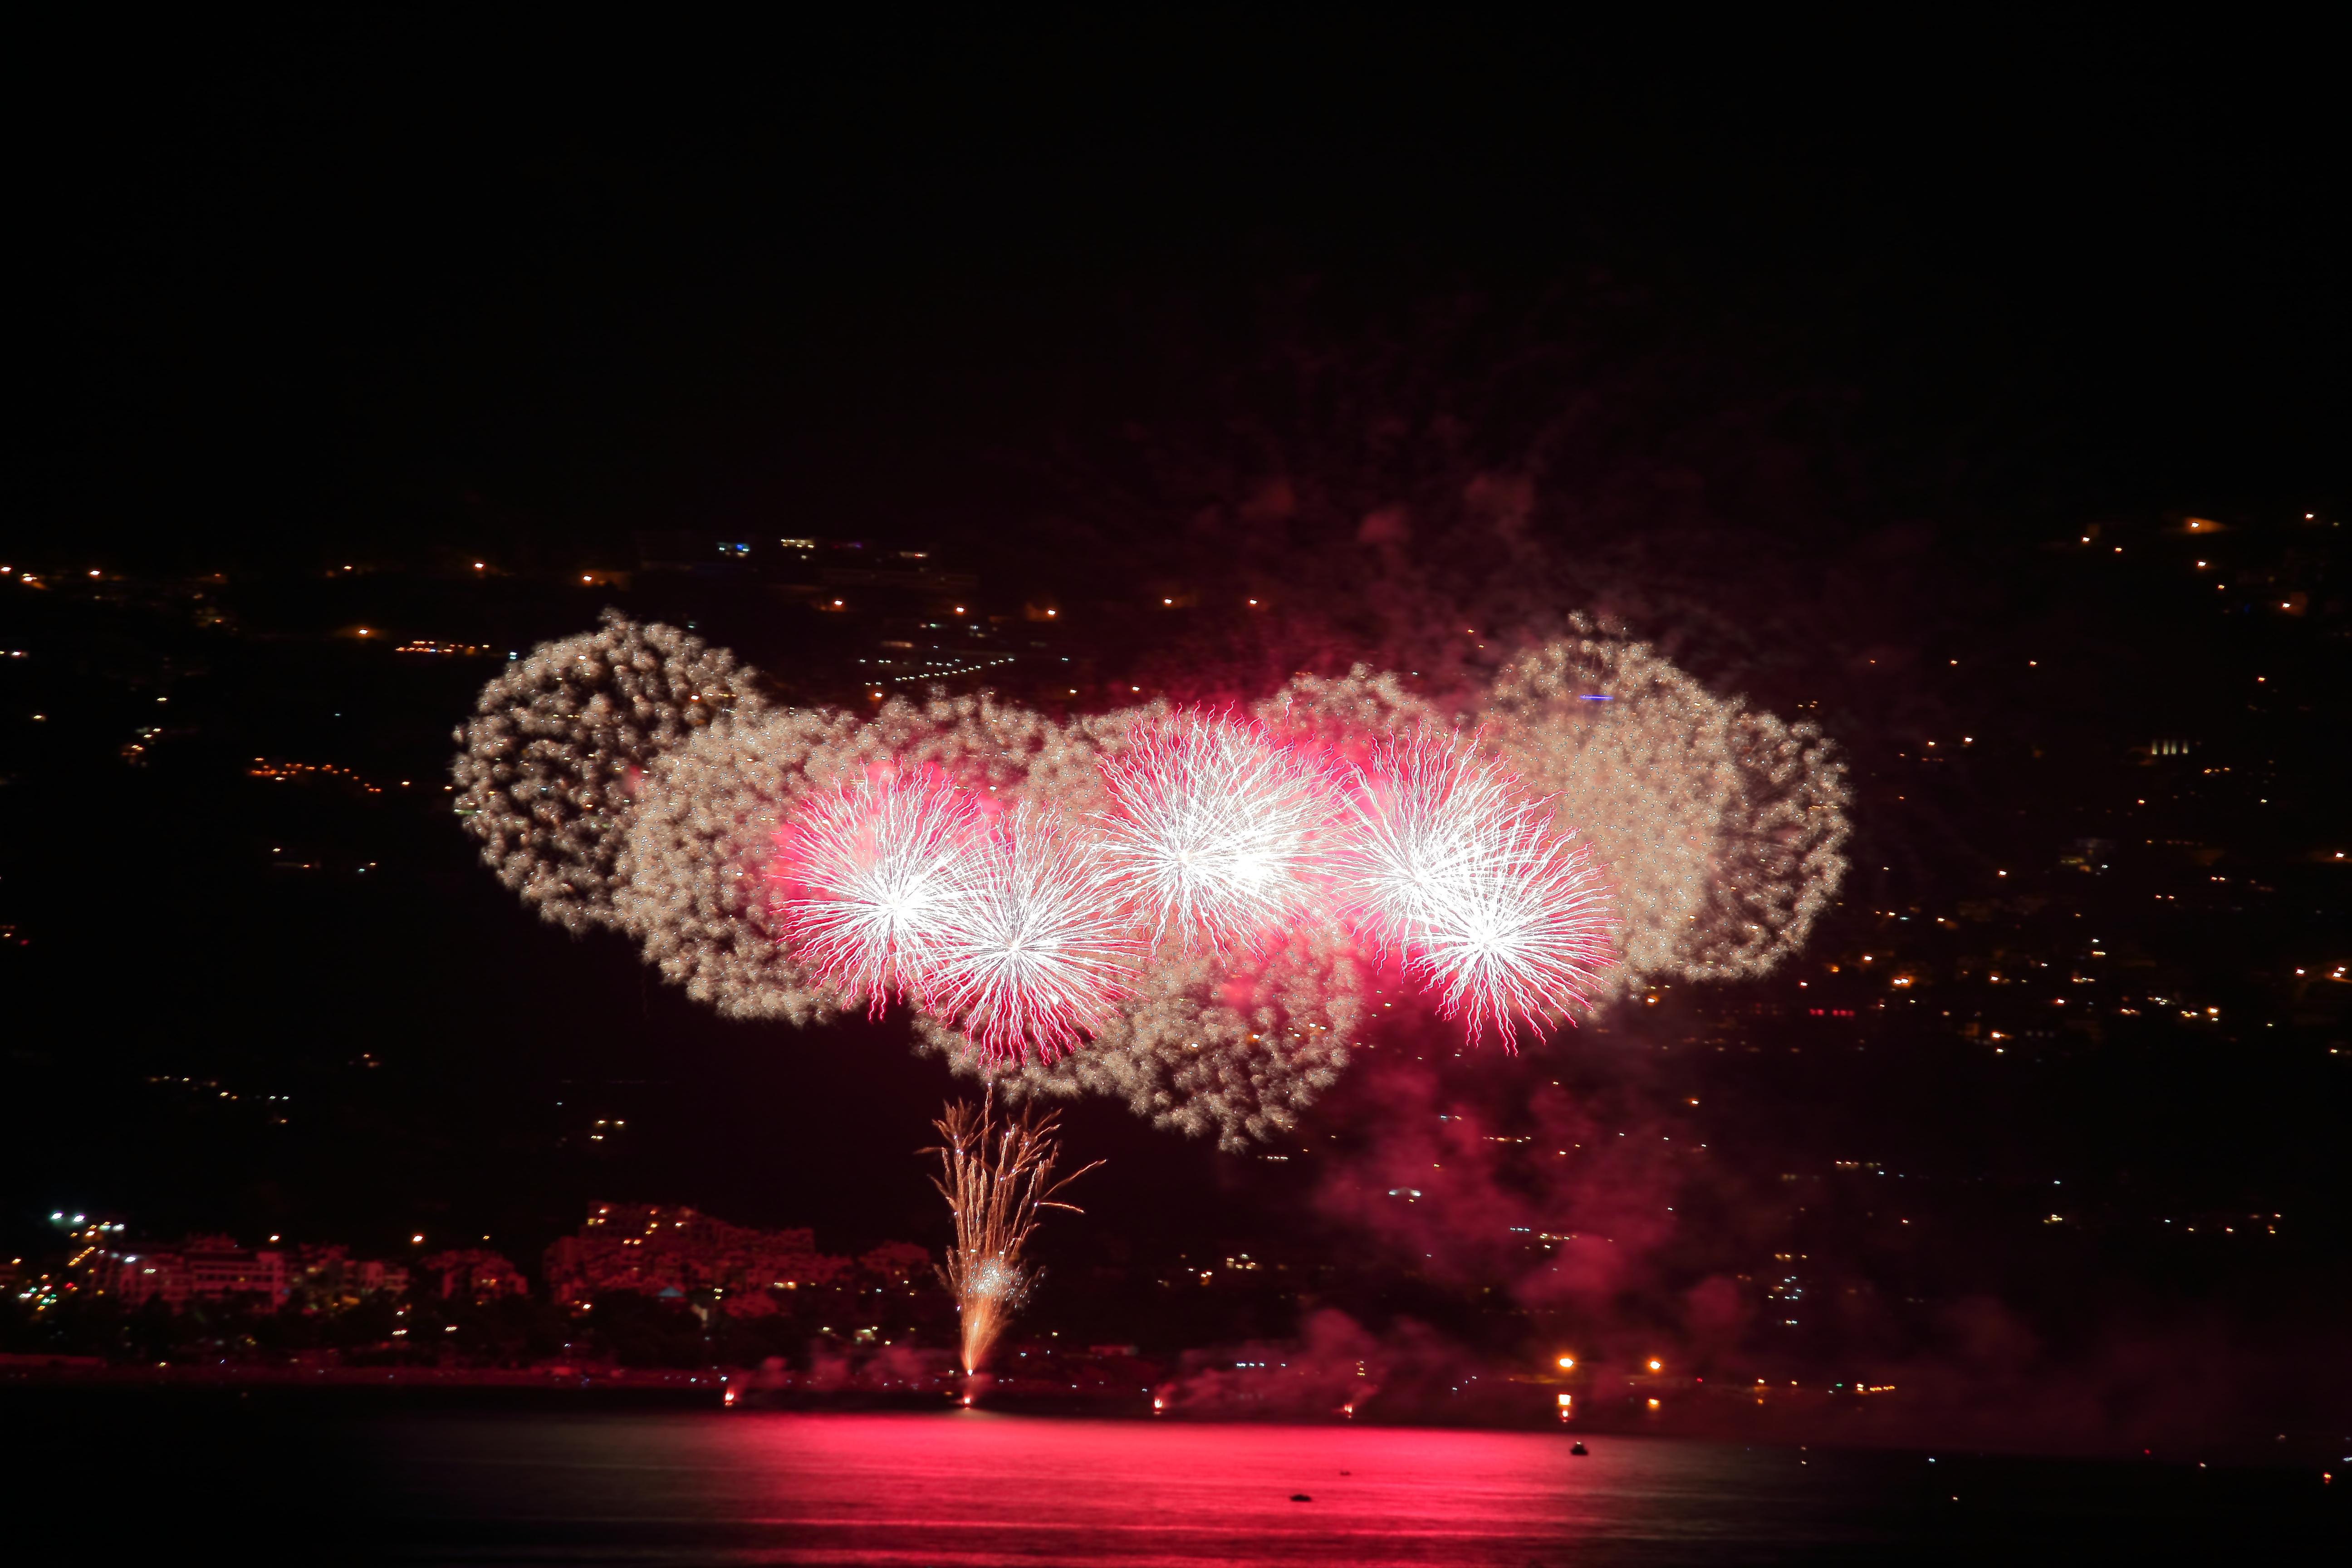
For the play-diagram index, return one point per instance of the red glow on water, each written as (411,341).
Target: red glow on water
(983,1489)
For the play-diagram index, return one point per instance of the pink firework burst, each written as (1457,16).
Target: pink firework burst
(1041,952)
(870,880)
(1216,832)
(1456,865)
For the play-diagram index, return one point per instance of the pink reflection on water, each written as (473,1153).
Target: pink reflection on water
(982,1488)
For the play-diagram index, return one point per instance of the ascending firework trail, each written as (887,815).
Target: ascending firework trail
(998,1179)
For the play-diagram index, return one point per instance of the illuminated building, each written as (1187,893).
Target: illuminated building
(647,1249)
(204,1269)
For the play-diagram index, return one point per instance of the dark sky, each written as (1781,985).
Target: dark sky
(365,288)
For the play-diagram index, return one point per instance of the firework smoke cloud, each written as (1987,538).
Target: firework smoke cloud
(1192,911)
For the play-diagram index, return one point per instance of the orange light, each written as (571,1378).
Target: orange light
(1566,1361)
(1654,1366)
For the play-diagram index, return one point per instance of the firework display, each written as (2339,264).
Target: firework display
(1205,1047)
(1218,832)
(1197,912)
(870,880)
(997,1177)
(1037,953)
(560,741)
(1465,873)
(1720,831)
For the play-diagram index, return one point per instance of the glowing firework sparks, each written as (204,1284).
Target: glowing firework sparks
(869,881)
(1039,953)
(558,748)
(998,1179)
(1459,869)
(1721,830)
(1218,834)
(634,778)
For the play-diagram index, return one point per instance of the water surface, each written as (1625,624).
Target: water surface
(257,1476)
(980,1488)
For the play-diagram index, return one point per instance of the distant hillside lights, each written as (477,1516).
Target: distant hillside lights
(211,1269)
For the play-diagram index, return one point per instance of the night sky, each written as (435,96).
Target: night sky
(1828,357)
(355,288)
